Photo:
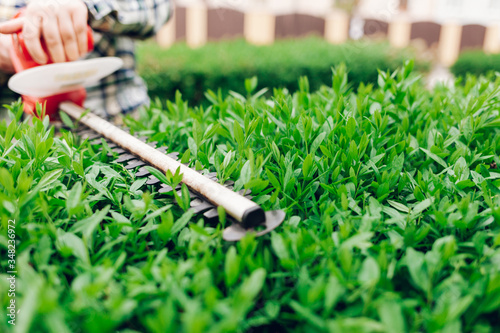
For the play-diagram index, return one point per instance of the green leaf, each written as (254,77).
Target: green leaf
(120,218)
(193,147)
(197,133)
(252,286)
(73,203)
(465,184)
(307,165)
(49,180)
(70,244)
(391,315)
(78,167)
(398,206)
(279,247)
(415,264)
(418,193)
(245,173)
(222,215)
(231,267)
(274,181)
(186,199)
(351,127)
(421,206)
(238,133)
(6,180)
(370,272)
(88,225)
(360,240)
(182,221)
(353,151)
(66,119)
(308,315)
(158,174)
(317,142)
(333,292)
(186,157)
(138,184)
(165,228)
(251,84)
(436,158)
(9,134)
(156,213)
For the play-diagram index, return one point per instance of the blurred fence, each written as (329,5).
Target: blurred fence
(198,24)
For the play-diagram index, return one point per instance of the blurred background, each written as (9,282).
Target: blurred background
(308,37)
(450,26)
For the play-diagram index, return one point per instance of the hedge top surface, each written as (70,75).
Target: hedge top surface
(393,216)
(476,63)
(226,64)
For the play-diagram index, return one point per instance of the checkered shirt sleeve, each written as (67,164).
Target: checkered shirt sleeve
(116,23)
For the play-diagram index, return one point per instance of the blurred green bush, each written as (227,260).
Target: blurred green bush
(226,64)
(477,63)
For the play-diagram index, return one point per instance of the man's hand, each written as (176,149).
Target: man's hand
(61,24)
(5,62)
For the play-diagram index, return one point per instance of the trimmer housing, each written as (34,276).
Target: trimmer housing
(22,60)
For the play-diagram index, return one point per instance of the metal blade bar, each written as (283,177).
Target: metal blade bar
(241,209)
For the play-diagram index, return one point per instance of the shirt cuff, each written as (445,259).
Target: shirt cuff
(98,9)
(4,77)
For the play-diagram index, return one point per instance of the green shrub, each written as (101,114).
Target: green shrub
(225,65)
(476,63)
(393,216)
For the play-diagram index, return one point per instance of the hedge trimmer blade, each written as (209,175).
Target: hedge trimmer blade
(205,193)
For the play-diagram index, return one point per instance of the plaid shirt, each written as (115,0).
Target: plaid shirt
(116,23)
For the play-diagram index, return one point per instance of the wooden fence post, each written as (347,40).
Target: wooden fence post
(166,36)
(196,25)
(449,43)
(399,32)
(259,28)
(492,39)
(337,27)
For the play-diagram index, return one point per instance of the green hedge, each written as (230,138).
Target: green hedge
(477,63)
(226,64)
(392,224)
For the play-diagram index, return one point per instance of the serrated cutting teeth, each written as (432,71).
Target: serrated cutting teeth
(153,181)
(118,151)
(92,136)
(174,155)
(97,142)
(202,207)
(191,194)
(199,204)
(125,158)
(134,164)
(143,172)
(229,183)
(167,188)
(211,215)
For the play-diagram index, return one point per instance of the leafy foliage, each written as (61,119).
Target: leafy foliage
(225,65)
(476,63)
(392,202)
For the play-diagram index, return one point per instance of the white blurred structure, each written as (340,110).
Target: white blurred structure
(276,7)
(482,12)
(461,11)
(443,27)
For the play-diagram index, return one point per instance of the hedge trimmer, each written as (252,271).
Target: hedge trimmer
(62,87)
